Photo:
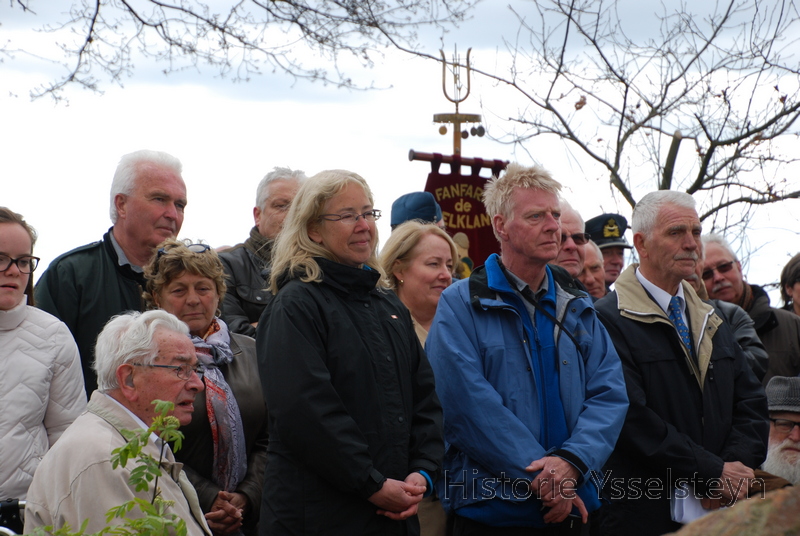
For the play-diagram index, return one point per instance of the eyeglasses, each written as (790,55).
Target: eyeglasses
(723,268)
(350,218)
(579,238)
(184,372)
(194,248)
(784,426)
(26,264)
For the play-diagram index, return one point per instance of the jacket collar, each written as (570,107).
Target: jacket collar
(635,303)
(346,278)
(12,318)
(487,281)
(126,270)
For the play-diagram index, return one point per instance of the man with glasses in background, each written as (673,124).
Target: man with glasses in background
(778,330)
(783,456)
(88,285)
(140,357)
(573,240)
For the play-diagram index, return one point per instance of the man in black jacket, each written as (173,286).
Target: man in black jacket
(85,287)
(779,330)
(247,265)
(697,422)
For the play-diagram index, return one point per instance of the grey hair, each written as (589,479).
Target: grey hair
(566,207)
(130,337)
(714,238)
(599,252)
(126,173)
(646,210)
(499,190)
(277,174)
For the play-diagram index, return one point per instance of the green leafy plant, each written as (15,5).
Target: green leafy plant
(153,518)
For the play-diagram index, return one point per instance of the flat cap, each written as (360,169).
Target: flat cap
(783,394)
(608,230)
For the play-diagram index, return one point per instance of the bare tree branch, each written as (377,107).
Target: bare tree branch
(236,38)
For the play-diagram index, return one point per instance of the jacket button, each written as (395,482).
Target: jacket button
(565,361)
(400,419)
(388,358)
(257,298)
(529,369)
(366,305)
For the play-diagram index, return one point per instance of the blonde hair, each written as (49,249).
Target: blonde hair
(294,251)
(498,191)
(172,259)
(404,239)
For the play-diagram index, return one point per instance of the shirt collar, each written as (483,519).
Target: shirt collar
(157,440)
(122,259)
(661,296)
(520,285)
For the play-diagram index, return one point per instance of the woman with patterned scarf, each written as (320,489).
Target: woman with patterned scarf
(225,447)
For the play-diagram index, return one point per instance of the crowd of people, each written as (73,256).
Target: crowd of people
(326,387)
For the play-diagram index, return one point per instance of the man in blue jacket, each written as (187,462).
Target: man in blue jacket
(531,386)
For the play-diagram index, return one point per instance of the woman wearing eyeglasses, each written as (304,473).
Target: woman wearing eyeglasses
(355,424)
(225,445)
(41,387)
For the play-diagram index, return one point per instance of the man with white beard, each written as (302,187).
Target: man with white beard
(783,456)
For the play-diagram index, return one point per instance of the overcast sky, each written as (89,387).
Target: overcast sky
(57,160)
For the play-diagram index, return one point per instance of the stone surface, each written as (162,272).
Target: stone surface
(778,513)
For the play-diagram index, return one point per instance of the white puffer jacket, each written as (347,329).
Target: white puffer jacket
(41,392)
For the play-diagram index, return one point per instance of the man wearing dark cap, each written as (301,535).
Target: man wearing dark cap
(420,206)
(783,456)
(608,232)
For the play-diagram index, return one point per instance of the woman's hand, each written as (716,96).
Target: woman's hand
(398,500)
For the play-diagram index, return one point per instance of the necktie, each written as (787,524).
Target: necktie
(675,317)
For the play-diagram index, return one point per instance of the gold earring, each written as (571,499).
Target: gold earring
(401,281)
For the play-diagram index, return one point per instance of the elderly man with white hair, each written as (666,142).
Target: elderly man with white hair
(783,456)
(88,285)
(697,422)
(248,265)
(141,357)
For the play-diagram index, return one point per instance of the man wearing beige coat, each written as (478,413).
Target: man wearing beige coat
(141,357)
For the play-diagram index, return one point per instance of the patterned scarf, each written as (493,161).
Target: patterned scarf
(260,246)
(230,456)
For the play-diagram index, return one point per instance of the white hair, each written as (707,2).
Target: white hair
(130,337)
(126,173)
(714,238)
(777,464)
(277,174)
(646,210)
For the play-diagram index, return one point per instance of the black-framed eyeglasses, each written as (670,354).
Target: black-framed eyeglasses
(350,218)
(184,372)
(26,264)
(784,426)
(579,238)
(723,268)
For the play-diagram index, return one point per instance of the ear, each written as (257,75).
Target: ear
(256,214)
(314,234)
(397,270)
(499,222)
(120,202)
(640,245)
(127,384)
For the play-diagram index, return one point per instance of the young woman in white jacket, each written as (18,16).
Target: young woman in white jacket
(41,384)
